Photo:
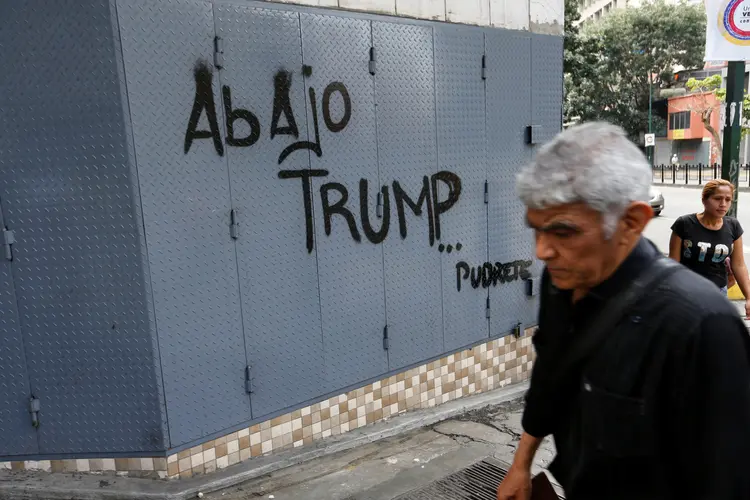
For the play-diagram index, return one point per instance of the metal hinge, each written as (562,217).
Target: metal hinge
(34,407)
(372,60)
(486,192)
(9,238)
(233,229)
(484,67)
(517,331)
(218,52)
(248,381)
(379,207)
(386,344)
(488,308)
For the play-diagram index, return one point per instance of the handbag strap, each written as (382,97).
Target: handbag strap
(593,335)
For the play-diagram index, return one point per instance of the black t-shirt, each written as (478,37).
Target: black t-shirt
(705,250)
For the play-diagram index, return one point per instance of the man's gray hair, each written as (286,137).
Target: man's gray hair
(594,163)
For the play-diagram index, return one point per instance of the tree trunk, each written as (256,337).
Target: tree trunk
(706,119)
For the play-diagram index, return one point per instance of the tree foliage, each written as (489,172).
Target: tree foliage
(608,64)
(706,108)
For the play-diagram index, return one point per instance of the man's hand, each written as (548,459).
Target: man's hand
(516,485)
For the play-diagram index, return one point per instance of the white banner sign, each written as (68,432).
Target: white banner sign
(727,30)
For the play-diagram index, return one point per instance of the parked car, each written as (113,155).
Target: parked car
(657,201)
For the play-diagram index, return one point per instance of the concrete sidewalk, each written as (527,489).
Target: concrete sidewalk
(376,462)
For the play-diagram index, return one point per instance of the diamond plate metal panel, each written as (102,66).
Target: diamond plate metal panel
(17,436)
(350,272)
(65,181)
(459,90)
(280,301)
(546,84)
(186,210)
(508,114)
(405,99)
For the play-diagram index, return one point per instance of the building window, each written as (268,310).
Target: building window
(679,120)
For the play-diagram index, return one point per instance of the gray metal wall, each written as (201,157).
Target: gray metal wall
(75,329)
(310,209)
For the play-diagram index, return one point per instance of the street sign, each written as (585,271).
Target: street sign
(650,140)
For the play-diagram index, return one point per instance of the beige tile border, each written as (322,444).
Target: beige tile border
(485,367)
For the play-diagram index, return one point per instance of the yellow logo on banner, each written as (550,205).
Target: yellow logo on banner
(678,134)
(734,22)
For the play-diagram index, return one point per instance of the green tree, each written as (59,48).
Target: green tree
(615,58)
(706,107)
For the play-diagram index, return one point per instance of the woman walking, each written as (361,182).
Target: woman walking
(703,242)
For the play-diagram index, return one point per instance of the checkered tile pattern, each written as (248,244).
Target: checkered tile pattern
(485,367)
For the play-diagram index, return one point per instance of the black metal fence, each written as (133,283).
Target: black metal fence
(695,175)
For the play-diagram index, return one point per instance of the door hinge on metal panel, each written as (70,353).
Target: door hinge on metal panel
(233,230)
(9,238)
(484,67)
(488,308)
(34,407)
(386,343)
(248,380)
(372,60)
(218,52)
(379,208)
(486,192)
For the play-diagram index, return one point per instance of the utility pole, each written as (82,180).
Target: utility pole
(730,154)
(650,100)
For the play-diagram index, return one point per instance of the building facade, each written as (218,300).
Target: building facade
(596,10)
(234,227)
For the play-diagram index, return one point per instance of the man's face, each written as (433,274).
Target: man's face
(570,240)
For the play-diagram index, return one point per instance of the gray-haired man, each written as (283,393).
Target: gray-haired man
(643,368)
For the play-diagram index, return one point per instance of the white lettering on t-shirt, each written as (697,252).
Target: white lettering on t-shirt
(720,253)
(704,249)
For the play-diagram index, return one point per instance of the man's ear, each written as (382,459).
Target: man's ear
(636,217)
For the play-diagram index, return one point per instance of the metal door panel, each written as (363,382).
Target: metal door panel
(405,99)
(168,53)
(351,272)
(278,276)
(17,436)
(547,84)
(508,114)
(460,102)
(66,184)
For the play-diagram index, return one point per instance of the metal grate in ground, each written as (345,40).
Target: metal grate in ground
(476,482)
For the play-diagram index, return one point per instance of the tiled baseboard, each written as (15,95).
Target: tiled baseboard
(485,367)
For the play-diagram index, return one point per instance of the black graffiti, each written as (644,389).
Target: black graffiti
(282,106)
(487,274)
(239,114)
(282,84)
(204,99)
(435,207)
(337,208)
(307,197)
(312,146)
(327,93)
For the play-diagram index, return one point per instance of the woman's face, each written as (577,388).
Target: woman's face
(718,203)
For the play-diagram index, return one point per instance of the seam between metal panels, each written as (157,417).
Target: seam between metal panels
(147,272)
(231,208)
(12,274)
(312,196)
(488,162)
(437,165)
(377,160)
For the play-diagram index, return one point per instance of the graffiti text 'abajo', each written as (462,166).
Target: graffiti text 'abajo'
(282,108)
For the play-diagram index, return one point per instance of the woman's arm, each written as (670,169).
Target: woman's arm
(675,245)
(739,269)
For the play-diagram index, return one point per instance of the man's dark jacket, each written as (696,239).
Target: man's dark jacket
(661,409)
